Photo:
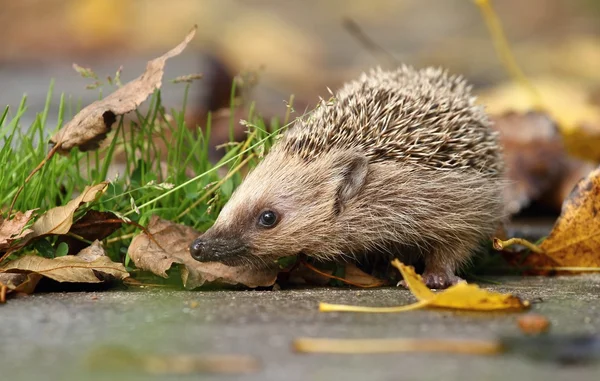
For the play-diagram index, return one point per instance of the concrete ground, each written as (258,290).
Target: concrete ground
(52,336)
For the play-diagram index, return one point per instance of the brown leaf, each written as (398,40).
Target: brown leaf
(91,125)
(18,282)
(58,220)
(89,266)
(176,238)
(11,230)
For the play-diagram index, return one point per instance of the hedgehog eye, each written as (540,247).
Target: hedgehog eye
(267,219)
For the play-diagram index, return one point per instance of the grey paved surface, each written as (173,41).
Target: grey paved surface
(51,336)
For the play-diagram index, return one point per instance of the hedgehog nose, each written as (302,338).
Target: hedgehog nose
(200,250)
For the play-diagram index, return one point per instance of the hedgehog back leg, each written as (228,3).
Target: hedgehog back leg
(446,216)
(441,265)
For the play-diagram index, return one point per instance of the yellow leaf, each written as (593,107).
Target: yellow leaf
(575,238)
(414,281)
(461,296)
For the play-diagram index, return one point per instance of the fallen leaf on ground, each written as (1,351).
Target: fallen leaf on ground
(91,125)
(538,166)
(574,242)
(89,266)
(461,296)
(18,283)
(356,346)
(12,230)
(58,220)
(174,240)
(119,359)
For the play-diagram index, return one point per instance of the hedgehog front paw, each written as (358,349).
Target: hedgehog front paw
(436,281)
(440,281)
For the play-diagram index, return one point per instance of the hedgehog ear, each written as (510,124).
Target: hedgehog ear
(353,168)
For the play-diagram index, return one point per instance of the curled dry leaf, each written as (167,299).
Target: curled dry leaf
(574,243)
(461,296)
(174,240)
(89,266)
(91,125)
(12,230)
(15,282)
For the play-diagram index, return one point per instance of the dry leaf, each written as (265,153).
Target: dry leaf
(94,225)
(174,240)
(11,230)
(15,282)
(575,238)
(461,296)
(58,220)
(89,266)
(91,125)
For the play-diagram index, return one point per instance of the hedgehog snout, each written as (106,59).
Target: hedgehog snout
(201,250)
(225,250)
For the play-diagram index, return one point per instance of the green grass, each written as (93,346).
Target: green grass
(141,191)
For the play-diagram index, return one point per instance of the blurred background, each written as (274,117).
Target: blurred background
(298,47)
(303,47)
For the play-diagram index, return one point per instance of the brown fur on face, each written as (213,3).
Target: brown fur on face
(306,197)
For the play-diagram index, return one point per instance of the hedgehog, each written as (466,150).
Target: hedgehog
(400,163)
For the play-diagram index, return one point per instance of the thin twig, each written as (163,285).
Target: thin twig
(503,50)
(501,245)
(312,268)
